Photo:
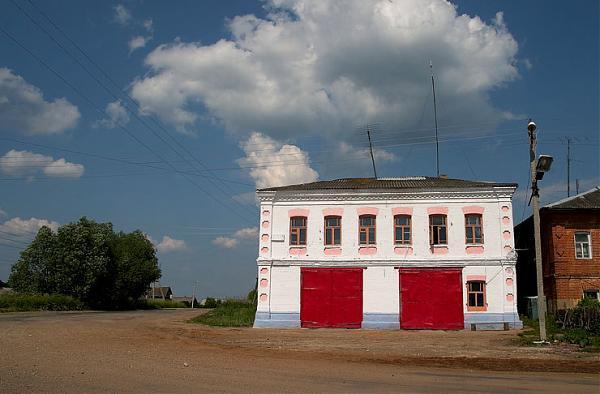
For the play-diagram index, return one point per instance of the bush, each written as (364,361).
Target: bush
(161,304)
(15,302)
(211,303)
(585,316)
(231,313)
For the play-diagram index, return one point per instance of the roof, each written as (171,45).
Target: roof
(159,291)
(587,200)
(413,182)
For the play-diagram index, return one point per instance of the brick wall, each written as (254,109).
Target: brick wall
(566,277)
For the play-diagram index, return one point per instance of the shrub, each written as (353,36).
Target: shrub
(16,302)
(161,304)
(585,316)
(211,303)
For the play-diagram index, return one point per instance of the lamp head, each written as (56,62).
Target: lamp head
(531,126)
(544,163)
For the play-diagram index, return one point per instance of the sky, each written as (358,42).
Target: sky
(166,116)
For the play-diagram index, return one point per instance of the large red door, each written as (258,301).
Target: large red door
(331,297)
(431,298)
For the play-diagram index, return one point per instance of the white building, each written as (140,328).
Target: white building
(414,252)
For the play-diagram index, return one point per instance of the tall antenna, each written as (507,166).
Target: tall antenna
(371,149)
(568,167)
(437,146)
(576,186)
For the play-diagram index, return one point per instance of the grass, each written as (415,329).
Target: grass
(15,302)
(586,341)
(231,313)
(161,304)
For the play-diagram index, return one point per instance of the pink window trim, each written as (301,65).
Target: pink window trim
(439,249)
(367,250)
(473,209)
(402,211)
(297,250)
(437,211)
(403,250)
(332,251)
(333,211)
(479,278)
(298,212)
(367,211)
(474,249)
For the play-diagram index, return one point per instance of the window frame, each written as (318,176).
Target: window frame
(431,226)
(596,291)
(473,227)
(332,229)
(298,231)
(483,291)
(403,242)
(589,243)
(366,229)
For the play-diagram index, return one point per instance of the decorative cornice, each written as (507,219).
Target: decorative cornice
(389,263)
(495,193)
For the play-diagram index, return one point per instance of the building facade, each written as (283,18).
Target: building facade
(415,252)
(570,233)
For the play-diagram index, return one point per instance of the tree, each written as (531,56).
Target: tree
(89,261)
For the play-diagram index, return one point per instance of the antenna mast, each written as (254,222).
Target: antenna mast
(437,146)
(371,149)
(568,167)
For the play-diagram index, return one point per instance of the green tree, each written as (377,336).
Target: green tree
(89,261)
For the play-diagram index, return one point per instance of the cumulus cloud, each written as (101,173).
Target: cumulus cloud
(169,244)
(225,242)
(138,42)
(324,66)
(27,227)
(244,234)
(121,15)
(116,115)
(23,108)
(275,164)
(25,163)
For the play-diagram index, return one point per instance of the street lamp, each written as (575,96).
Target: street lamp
(538,168)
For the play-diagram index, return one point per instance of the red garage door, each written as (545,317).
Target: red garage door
(431,299)
(331,297)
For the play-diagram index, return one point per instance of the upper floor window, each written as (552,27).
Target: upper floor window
(592,294)
(476,295)
(366,229)
(437,230)
(473,229)
(402,229)
(583,245)
(333,230)
(298,230)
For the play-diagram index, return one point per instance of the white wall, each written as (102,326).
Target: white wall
(381,293)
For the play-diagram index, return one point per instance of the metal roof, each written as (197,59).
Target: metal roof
(587,200)
(413,182)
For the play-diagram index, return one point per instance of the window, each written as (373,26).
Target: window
(473,229)
(402,229)
(366,230)
(437,230)
(476,295)
(582,246)
(592,294)
(333,230)
(298,230)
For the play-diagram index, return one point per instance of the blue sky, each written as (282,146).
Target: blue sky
(186,107)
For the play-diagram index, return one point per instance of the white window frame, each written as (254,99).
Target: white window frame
(590,291)
(589,239)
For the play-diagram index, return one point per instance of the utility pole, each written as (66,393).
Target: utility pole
(371,149)
(437,145)
(576,186)
(194,293)
(535,199)
(568,167)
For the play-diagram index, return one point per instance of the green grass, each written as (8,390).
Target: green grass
(231,313)
(577,336)
(161,304)
(15,302)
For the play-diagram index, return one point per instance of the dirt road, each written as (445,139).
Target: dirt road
(156,351)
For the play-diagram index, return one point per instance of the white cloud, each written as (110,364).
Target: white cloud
(23,108)
(2,213)
(169,244)
(274,163)
(116,115)
(225,242)
(22,163)
(324,66)
(148,25)
(138,42)
(381,155)
(122,15)
(27,227)
(247,233)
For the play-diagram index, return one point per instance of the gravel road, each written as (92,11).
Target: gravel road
(156,351)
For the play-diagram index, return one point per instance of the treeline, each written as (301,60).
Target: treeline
(89,261)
